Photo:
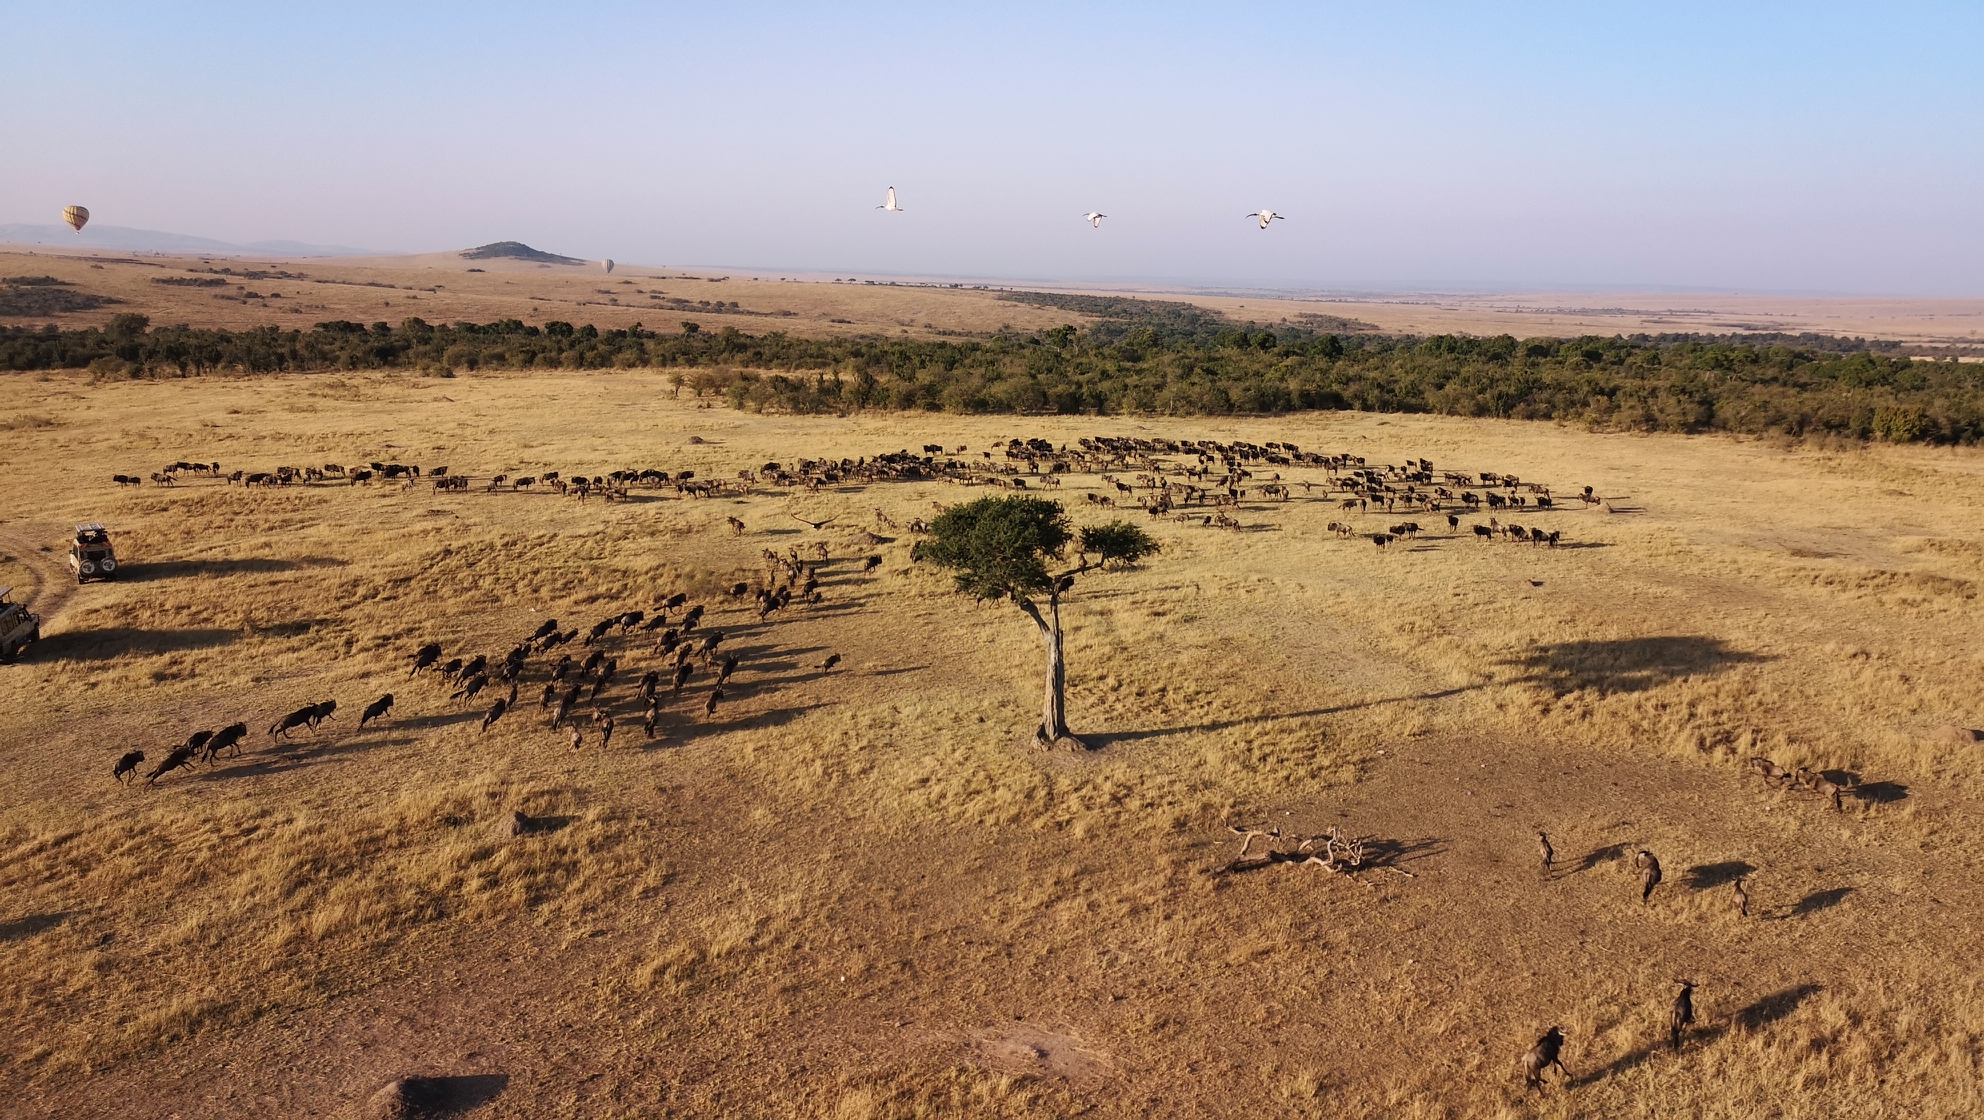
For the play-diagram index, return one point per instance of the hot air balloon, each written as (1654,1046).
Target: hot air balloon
(76,216)
(608,265)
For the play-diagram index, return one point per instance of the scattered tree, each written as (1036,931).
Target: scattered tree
(999,548)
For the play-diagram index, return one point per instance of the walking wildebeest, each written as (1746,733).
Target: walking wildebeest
(424,656)
(297,718)
(180,757)
(1547,1052)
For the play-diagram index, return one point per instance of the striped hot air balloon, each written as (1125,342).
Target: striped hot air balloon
(76,216)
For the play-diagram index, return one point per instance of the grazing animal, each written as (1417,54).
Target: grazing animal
(472,686)
(578,739)
(298,718)
(200,739)
(631,619)
(1544,850)
(1741,898)
(870,563)
(591,662)
(730,664)
(544,698)
(832,660)
(647,724)
(682,672)
(565,705)
(497,709)
(564,666)
(736,526)
(226,737)
(650,681)
(1682,1013)
(1649,873)
(737,590)
(709,706)
(605,678)
(599,629)
(675,600)
(127,765)
(1773,774)
(452,669)
(694,616)
(1547,1052)
(545,629)
(424,656)
(377,709)
(606,732)
(321,711)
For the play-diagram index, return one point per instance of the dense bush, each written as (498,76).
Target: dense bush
(1173,362)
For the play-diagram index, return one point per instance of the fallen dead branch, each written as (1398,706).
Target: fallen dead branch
(1333,851)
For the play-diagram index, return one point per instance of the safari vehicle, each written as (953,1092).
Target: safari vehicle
(19,627)
(91,557)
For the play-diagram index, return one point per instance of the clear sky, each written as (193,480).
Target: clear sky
(1795,147)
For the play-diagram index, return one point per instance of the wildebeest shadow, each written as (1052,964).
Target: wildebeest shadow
(28,925)
(1628,664)
(1597,856)
(443,1096)
(1702,876)
(105,643)
(1774,1006)
(1817,901)
(1880,793)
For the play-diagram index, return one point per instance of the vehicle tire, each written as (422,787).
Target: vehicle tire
(6,654)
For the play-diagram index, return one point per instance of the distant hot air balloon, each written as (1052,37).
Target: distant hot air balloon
(76,216)
(608,263)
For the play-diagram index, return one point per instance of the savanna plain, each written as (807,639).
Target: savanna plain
(863,891)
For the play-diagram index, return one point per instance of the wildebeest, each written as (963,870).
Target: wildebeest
(709,706)
(295,719)
(870,563)
(682,672)
(496,711)
(1741,898)
(181,756)
(565,705)
(1543,849)
(424,656)
(1772,773)
(474,668)
(832,660)
(321,711)
(470,687)
(375,710)
(694,616)
(127,480)
(730,664)
(226,737)
(1682,1013)
(600,628)
(200,739)
(675,600)
(1539,1058)
(127,765)
(544,629)
(1649,873)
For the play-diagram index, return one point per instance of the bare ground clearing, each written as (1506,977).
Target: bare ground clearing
(859,892)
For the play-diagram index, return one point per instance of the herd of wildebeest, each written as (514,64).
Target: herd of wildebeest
(1199,481)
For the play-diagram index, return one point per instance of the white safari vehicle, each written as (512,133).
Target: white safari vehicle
(91,556)
(19,628)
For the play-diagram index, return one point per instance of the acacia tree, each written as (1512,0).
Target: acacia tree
(999,548)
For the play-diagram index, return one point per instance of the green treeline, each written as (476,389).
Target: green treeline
(1188,364)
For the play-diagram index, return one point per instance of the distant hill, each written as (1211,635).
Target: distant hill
(516,250)
(158,241)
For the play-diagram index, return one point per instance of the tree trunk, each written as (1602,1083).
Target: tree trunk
(1054,702)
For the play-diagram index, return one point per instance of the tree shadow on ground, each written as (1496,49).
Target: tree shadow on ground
(108,642)
(1702,876)
(1101,739)
(1774,1006)
(1627,664)
(151,571)
(446,1096)
(28,925)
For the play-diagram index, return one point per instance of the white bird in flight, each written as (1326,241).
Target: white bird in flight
(1265,216)
(891,203)
(1095,218)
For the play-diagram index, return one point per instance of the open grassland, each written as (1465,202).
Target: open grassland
(239,293)
(861,892)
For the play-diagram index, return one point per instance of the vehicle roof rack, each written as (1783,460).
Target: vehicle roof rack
(90,527)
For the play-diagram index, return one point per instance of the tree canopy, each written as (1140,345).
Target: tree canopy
(999,547)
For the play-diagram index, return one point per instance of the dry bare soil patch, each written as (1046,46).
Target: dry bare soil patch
(861,891)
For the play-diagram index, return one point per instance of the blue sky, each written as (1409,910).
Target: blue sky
(1738,147)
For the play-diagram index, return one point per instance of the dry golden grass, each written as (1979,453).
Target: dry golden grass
(439,288)
(863,894)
